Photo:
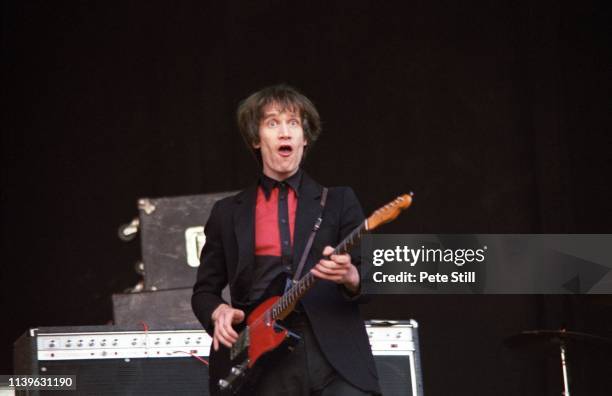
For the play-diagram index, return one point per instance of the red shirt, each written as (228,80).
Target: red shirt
(267,233)
(274,231)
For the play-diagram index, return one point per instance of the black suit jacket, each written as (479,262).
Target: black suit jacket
(228,257)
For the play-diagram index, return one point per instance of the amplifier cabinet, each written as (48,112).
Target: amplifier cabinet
(114,360)
(395,346)
(111,360)
(172,237)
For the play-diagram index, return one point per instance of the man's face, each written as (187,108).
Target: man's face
(281,140)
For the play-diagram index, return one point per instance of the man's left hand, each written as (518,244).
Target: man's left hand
(338,269)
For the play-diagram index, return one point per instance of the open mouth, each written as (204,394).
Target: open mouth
(285,150)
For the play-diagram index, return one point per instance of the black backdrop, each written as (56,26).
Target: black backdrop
(497,115)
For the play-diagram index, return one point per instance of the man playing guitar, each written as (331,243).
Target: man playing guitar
(254,242)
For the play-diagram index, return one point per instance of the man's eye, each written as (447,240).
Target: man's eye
(272,123)
(294,123)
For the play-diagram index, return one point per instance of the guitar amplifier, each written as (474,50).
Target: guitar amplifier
(130,360)
(112,360)
(395,346)
(172,237)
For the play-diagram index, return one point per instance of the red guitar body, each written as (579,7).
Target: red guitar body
(263,334)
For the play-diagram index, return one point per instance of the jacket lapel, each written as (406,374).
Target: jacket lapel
(244,229)
(308,210)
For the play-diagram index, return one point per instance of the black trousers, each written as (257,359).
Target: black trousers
(305,370)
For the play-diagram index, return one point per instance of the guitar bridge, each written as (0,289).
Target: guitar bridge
(241,345)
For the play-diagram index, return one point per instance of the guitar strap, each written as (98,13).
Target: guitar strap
(315,228)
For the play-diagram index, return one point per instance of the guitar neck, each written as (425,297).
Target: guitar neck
(287,302)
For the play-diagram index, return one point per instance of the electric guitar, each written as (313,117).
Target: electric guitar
(238,367)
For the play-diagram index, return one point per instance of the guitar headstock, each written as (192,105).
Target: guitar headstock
(389,212)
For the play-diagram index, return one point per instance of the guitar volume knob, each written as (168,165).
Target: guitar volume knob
(223,384)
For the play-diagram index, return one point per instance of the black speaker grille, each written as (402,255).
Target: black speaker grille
(394,375)
(168,376)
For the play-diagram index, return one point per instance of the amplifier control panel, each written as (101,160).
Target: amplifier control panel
(122,345)
(392,338)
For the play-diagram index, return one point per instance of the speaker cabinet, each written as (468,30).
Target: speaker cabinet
(395,346)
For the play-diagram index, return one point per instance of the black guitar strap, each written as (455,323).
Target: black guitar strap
(315,228)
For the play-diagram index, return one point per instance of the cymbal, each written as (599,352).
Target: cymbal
(553,338)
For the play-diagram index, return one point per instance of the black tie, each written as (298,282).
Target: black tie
(283,227)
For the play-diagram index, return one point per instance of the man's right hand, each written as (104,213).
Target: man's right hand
(223,318)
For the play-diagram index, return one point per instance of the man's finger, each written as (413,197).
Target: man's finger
(340,258)
(333,265)
(331,271)
(321,275)
(223,338)
(238,316)
(228,326)
(224,330)
(328,250)
(327,274)
(228,332)
(221,334)
(226,343)
(328,264)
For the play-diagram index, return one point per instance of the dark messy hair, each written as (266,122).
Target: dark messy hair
(251,111)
